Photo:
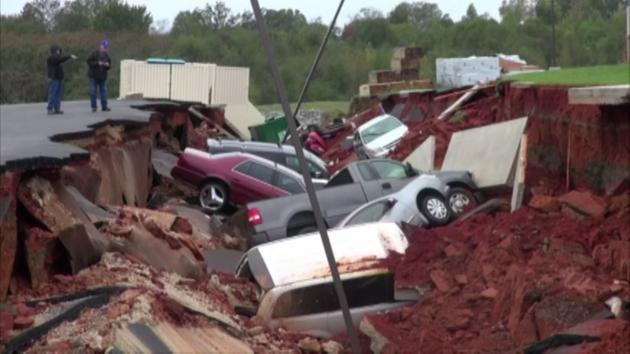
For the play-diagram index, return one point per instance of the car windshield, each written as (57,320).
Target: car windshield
(386,125)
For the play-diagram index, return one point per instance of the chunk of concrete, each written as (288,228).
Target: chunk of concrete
(423,158)
(145,240)
(39,198)
(126,173)
(41,254)
(586,203)
(488,152)
(55,207)
(378,341)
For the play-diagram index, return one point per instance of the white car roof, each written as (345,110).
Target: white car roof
(376,120)
(303,258)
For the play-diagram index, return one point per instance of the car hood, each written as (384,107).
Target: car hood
(387,138)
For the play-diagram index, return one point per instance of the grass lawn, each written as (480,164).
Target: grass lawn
(590,75)
(332,107)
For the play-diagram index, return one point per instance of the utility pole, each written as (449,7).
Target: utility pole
(310,189)
(628,34)
(553,33)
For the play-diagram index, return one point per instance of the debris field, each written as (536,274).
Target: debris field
(103,251)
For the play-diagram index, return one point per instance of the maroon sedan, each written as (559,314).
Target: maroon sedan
(234,178)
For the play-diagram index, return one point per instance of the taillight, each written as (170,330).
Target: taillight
(254,217)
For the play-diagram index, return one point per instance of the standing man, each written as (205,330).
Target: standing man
(99,63)
(55,78)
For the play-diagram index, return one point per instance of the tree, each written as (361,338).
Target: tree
(188,23)
(471,12)
(75,16)
(516,11)
(421,14)
(116,16)
(289,20)
(41,11)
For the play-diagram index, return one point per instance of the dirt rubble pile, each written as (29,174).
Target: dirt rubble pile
(499,283)
(196,312)
(132,267)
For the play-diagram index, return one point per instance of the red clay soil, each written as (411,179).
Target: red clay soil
(595,140)
(500,283)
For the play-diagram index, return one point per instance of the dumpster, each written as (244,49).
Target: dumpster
(272,131)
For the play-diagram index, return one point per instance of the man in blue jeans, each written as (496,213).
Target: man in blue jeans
(99,63)
(55,78)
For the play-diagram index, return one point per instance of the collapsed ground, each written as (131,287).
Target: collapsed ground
(496,282)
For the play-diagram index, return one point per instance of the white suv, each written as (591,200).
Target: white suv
(379,136)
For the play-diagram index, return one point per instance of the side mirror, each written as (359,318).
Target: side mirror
(317,174)
(411,171)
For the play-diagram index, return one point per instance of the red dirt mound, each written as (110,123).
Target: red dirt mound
(500,283)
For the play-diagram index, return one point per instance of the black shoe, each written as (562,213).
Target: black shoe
(93,110)
(105,109)
(58,112)
(50,113)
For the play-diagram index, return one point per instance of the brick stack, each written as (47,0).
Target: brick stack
(406,63)
(404,74)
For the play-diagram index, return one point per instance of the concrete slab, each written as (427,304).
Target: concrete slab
(423,158)
(600,95)
(488,152)
(28,133)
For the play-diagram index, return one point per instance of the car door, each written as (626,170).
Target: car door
(252,181)
(393,175)
(340,197)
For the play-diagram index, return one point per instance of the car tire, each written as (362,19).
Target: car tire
(214,196)
(461,200)
(434,208)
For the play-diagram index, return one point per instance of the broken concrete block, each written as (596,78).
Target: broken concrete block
(441,280)
(378,341)
(39,198)
(84,178)
(21,322)
(490,293)
(310,345)
(544,203)
(157,247)
(42,252)
(332,347)
(83,241)
(126,173)
(586,203)
(8,229)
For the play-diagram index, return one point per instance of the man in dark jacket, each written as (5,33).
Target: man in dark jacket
(99,63)
(55,78)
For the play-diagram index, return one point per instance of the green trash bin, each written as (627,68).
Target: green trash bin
(272,131)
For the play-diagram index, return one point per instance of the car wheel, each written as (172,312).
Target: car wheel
(213,196)
(434,208)
(461,200)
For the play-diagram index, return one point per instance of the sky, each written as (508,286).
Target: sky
(312,9)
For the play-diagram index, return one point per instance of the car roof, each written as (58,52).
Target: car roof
(375,121)
(264,161)
(303,258)
(246,156)
(266,147)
